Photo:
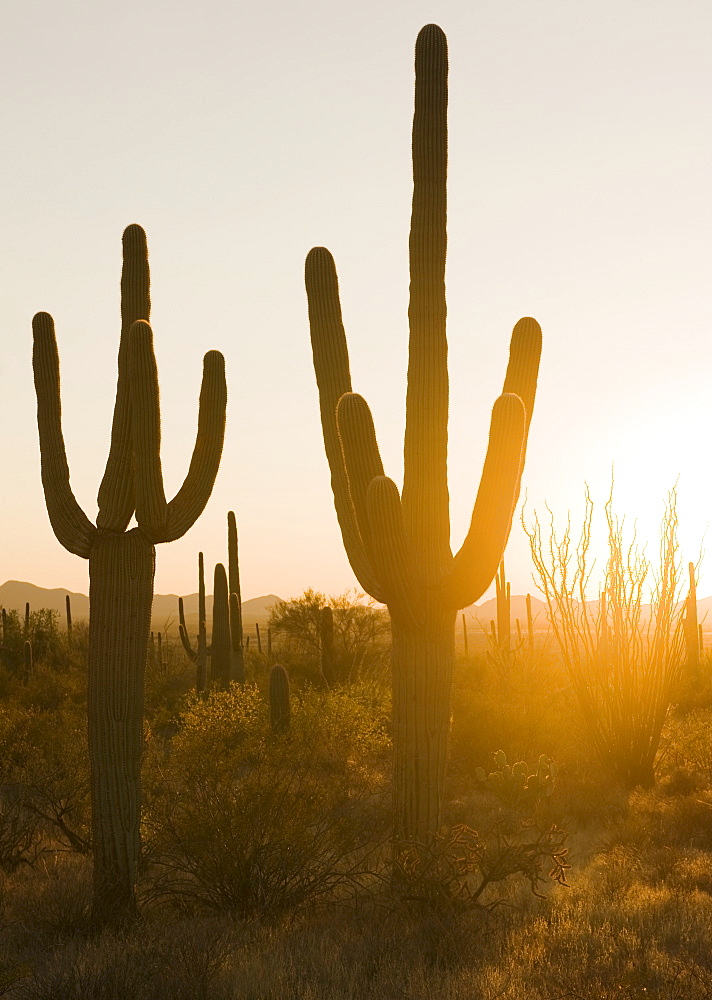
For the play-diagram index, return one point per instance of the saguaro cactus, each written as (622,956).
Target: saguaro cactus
(199,655)
(121,561)
(279,700)
(233,575)
(399,548)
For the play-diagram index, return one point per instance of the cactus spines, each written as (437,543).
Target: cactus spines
(220,643)
(326,644)
(233,572)
(398,547)
(279,704)
(121,561)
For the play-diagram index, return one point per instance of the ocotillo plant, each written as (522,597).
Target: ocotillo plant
(199,655)
(121,561)
(326,643)
(279,703)
(233,572)
(399,548)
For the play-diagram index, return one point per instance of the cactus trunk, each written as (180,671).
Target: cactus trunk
(121,569)
(422,697)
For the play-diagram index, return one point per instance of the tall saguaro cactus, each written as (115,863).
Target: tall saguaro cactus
(399,547)
(121,561)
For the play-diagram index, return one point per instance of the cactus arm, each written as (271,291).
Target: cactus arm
(361,457)
(425,492)
(523,366)
(116,492)
(69,522)
(190,652)
(475,565)
(151,507)
(190,500)
(333,377)
(392,553)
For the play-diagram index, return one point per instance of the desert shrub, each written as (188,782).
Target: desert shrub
(259,823)
(44,776)
(361,634)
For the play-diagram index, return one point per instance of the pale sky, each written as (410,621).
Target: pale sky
(240,135)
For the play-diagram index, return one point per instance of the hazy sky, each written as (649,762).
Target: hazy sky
(241,135)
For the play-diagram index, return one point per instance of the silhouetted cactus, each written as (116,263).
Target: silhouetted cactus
(121,561)
(233,564)
(326,644)
(398,548)
(220,644)
(530,622)
(68,608)
(279,704)
(199,656)
(690,625)
(502,627)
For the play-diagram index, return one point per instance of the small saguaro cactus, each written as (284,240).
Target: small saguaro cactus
(121,561)
(399,546)
(502,628)
(690,625)
(220,643)
(68,608)
(279,704)
(233,576)
(199,655)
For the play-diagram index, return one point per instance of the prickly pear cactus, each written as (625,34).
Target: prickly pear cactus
(518,786)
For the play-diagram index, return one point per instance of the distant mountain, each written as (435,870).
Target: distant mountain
(485,613)
(15,594)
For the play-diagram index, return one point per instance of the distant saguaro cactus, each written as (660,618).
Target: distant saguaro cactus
(68,608)
(399,548)
(121,561)
(233,576)
(279,702)
(199,656)
(690,624)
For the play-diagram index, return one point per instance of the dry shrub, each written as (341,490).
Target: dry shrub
(260,823)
